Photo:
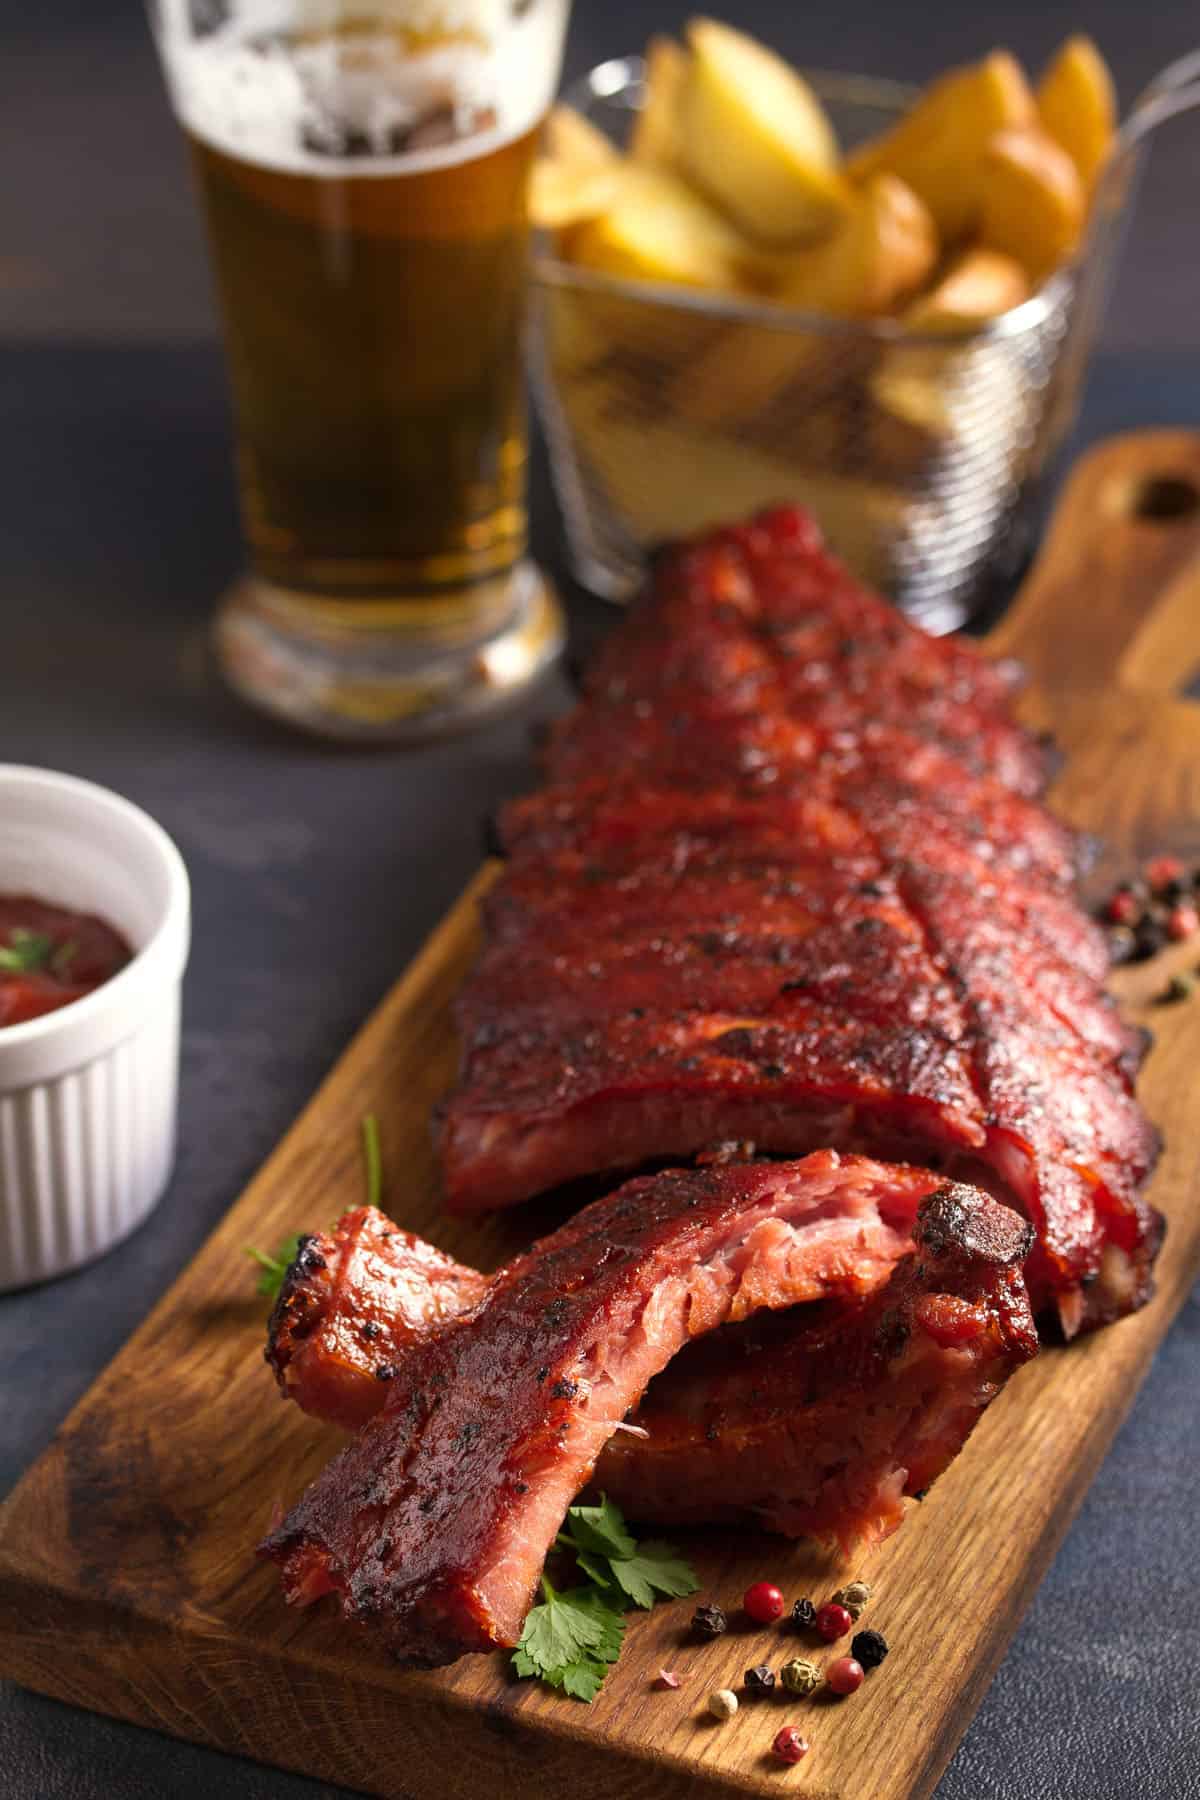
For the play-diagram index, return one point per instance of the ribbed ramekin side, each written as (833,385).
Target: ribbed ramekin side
(85,1157)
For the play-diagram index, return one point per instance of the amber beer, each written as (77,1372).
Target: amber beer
(380,416)
(365,193)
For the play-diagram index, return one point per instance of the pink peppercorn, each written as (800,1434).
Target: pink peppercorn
(1124,908)
(833,1621)
(789,1746)
(1182,922)
(844,1675)
(764,1602)
(1161,871)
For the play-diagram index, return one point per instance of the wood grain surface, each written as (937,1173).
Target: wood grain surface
(128,1582)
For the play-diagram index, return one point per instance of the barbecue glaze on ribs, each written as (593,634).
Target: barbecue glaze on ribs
(763,1423)
(432,1526)
(789,882)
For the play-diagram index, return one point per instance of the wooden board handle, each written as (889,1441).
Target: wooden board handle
(1114,595)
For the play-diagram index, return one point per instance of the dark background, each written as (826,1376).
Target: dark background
(316,873)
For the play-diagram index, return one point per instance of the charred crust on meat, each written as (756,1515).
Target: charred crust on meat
(951,1222)
(892,1334)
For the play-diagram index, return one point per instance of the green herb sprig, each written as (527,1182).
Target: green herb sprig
(25,950)
(275,1264)
(572,1638)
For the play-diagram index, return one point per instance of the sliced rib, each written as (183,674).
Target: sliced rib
(352,1301)
(433,1525)
(818,1422)
(814,1421)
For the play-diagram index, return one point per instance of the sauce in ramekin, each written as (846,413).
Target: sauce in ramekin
(50,956)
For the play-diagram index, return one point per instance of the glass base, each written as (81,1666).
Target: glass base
(384,686)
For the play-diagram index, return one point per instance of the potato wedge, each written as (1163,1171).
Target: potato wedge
(917,410)
(564,193)
(882,252)
(570,138)
(1033,200)
(938,147)
(1077,105)
(657,135)
(976,286)
(756,139)
(659,230)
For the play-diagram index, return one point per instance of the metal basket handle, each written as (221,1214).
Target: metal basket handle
(1176,90)
(1178,74)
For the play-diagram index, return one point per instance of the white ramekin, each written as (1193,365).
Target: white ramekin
(88,1093)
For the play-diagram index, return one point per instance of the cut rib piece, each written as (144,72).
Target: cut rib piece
(352,1299)
(817,1422)
(802,910)
(813,1421)
(433,1525)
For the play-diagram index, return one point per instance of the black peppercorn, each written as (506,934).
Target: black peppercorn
(869,1648)
(1148,940)
(804,1615)
(709,1621)
(760,1680)
(1121,943)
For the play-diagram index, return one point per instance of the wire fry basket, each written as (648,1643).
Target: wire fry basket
(668,409)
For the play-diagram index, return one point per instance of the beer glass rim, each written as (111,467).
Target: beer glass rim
(620,79)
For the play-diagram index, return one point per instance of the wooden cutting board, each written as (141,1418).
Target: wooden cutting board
(127,1577)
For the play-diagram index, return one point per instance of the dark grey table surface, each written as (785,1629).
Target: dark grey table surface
(316,873)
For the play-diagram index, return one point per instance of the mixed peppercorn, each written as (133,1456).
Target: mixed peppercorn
(799,1677)
(1158,907)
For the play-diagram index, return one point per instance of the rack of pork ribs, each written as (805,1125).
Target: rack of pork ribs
(789,890)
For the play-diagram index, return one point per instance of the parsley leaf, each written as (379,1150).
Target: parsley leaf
(569,1640)
(653,1571)
(274,1268)
(25,950)
(573,1637)
(611,1557)
(598,1571)
(582,1680)
(599,1529)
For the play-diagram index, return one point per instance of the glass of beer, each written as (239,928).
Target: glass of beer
(363,168)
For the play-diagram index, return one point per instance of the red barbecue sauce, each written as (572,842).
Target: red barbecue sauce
(61,956)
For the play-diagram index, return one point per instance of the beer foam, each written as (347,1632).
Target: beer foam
(262,82)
